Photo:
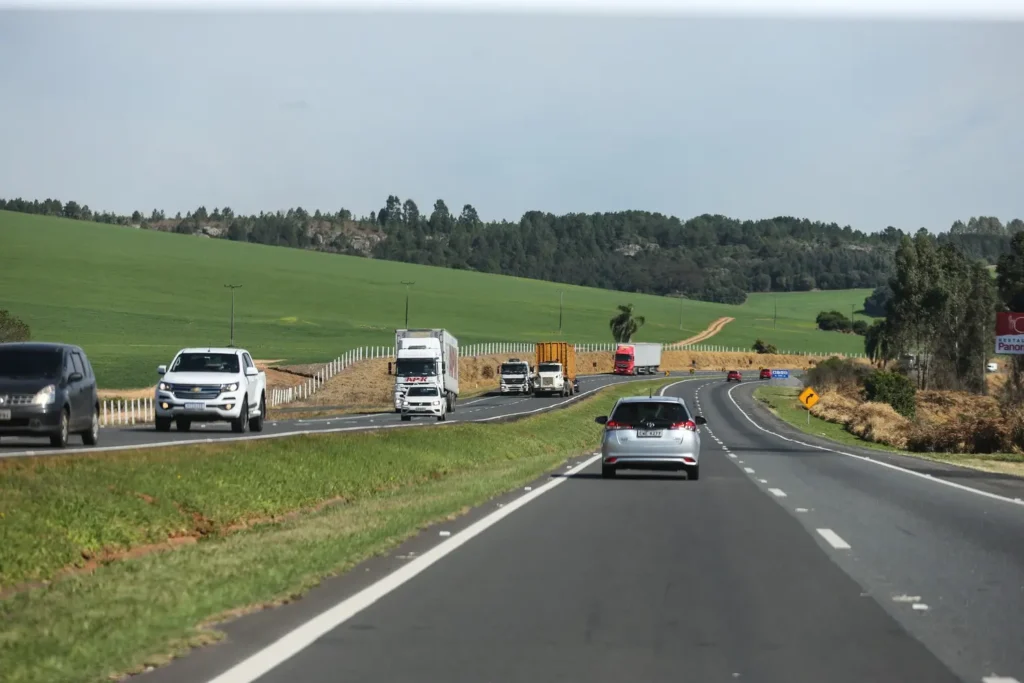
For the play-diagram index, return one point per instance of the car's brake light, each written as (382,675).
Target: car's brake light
(689,424)
(617,425)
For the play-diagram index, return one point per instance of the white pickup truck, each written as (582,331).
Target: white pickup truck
(211,385)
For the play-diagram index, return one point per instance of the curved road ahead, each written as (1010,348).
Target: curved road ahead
(784,563)
(480,409)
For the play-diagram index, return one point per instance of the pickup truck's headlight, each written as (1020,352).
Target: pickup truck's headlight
(45,396)
(229,387)
(164,386)
(437,403)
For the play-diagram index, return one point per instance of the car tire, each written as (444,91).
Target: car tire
(442,418)
(607,472)
(406,418)
(256,423)
(242,423)
(60,439)
(92,436)
(693,473)
(163,424)
(183,425)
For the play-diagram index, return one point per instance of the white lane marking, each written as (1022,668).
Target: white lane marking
(763,481)
(863,458)
(732,455)
(995,678)
(748,470)
(833,539)
(306,634)
(801,509)
(778,493)
(906,598)
(920,606)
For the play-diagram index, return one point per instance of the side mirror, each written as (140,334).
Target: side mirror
(699,419)
(251,371)
(389,367)
(75,377)
(161,369)
(603,419)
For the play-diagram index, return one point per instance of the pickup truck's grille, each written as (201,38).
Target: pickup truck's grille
(198,392)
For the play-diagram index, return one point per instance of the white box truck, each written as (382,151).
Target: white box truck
(426,357)
(642,358)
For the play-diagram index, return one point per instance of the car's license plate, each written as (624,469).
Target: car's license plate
(5,415)
(648,433)
(195,405)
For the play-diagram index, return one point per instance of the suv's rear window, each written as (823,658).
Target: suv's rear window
(654,411)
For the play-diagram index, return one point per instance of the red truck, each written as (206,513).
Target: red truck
(637,359)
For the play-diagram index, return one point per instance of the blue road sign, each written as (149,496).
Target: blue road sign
(780,374)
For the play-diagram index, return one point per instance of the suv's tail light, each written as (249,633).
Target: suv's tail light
(689,424)
(612,426)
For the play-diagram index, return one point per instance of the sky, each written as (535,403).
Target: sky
(865,123)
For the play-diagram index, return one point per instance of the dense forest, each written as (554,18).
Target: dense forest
(711,258)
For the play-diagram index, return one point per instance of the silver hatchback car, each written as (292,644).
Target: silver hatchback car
(651,433)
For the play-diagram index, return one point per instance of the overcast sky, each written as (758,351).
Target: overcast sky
(867,124)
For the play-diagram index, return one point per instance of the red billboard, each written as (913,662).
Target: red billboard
(1010,333)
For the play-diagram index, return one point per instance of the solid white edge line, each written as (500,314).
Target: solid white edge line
(833,539)
(306,634)
(864,458)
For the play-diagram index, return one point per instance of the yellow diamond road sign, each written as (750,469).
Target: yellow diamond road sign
(808,397)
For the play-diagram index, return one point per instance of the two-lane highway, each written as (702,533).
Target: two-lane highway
(783,563)
(480,409)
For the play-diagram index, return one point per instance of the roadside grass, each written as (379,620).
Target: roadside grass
(131,298)
(783,403)
(336,499)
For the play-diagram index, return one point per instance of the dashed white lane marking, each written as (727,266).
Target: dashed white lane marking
(906,598)
(864,458)
(778,493)
(763,481)
(304,635)
(748,470)
(833,539)
(801,509)
(920,606)
(732,455)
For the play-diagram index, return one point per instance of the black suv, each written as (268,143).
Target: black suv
(48,390)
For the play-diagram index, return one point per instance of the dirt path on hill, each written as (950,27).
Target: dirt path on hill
(713,329)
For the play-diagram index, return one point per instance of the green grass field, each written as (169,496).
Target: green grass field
(132,298)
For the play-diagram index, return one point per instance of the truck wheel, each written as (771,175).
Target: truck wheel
(239,426)
(442,418)
(256,423)
(183,425)
(406,418)
(163,424)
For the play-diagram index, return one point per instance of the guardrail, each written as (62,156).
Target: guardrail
(140,411)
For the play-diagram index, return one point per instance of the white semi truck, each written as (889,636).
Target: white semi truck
(515,377)
(426,357)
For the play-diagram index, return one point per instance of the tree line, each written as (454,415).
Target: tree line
(708,257)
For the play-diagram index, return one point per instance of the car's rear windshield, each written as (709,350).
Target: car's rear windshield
(422,391)
(30,363)
(659,412)
(206,362)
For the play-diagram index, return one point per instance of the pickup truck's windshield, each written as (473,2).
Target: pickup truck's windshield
(513,369)
(416,367)
(30,363)
(422,391)
(549,367)
(206,362)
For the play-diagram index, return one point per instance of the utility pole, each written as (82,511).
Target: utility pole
(680,312)
(233,288)
(560,293)
(407,285)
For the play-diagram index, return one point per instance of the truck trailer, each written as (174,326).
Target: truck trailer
(425,357)
(637,359)
(556,369)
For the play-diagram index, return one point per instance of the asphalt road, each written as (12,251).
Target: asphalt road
(479,409)
(784,563)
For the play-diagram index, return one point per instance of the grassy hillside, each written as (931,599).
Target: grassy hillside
(132,298)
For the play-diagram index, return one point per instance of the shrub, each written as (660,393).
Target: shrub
(838,374)
(860,327)
(833,321)
(760,346)
(12,329)
(892,388)
(487,372)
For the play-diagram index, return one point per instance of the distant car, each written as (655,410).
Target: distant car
(651,433)
(766,373)
(48,390)
(425,400)
(992,367)
(734,375)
